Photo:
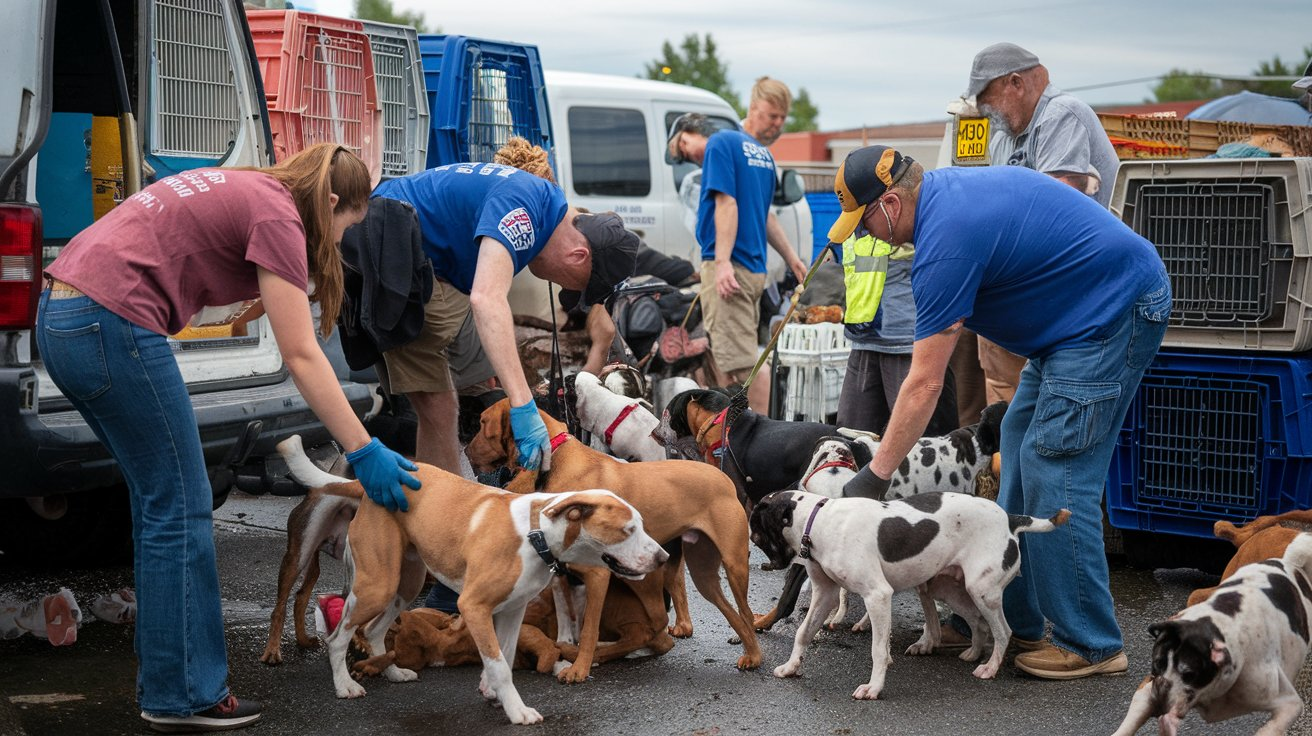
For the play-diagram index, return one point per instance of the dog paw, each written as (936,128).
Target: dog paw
(486,690)
(681,630)
(524,716)
(309,642)
(350,690)
(972,654)
(788,669)
(398,674)
(920,648)
(272,656)
(763,623)
(735,639)
(986,671)
(863,624)
(749,662)
(866,692)
(573,674)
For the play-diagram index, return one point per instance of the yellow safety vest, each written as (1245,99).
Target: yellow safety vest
(865,266)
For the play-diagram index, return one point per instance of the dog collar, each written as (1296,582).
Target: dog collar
(825,466)
(805,551)
(624,414)
(538,539)
(559,440)
(714,449)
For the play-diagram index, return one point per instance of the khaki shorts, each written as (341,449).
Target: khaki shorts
(732,325)
(422,365)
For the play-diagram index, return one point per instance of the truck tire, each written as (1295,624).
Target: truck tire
(94,531)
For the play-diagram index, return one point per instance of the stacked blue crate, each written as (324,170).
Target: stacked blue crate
(1221,426)
(480,93)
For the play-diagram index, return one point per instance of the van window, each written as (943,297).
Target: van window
(610,152)
(682,170)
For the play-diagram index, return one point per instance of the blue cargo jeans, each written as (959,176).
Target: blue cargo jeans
(1057,442)
(124,380)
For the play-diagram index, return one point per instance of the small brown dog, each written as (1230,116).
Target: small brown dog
(1260,539)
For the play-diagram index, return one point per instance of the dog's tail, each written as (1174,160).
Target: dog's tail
(1299,553)
(1020,523)
(304,471)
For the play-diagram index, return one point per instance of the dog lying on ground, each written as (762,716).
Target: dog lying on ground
(1260,539)
(317,525)
(948,546)
(625,428)
(678,500)
(763,455)
(476,540)
(1236,652)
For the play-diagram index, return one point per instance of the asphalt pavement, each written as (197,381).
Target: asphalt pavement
(88,688)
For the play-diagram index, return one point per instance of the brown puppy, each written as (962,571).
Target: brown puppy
(1260,539)
(677,499)
(317,524)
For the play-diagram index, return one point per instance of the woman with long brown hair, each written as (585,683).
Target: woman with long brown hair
(206,237)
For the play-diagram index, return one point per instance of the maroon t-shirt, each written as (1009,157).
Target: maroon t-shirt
(186,242)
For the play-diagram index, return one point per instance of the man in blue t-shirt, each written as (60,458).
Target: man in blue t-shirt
(738,180)
(1048,273)
(481,224)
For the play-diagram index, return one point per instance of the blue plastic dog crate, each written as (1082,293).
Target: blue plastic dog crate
(480,93)
(1211,437)
(824,213)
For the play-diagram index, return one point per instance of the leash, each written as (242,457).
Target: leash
(624,414)
(850,465)
(805,551)
(556,381)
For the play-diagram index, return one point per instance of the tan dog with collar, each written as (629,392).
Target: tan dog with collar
(677,499)
(478,541)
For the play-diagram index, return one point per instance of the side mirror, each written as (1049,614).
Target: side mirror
(790,188)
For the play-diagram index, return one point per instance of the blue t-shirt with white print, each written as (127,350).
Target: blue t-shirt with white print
(738,166)
(459,204)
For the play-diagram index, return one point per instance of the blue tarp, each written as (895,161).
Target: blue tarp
(1250,107)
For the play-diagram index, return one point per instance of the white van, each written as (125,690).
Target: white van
(609,139)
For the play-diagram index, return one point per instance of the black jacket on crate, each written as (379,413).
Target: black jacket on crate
(387,281)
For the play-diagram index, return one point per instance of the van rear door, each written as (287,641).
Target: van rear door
(25,64)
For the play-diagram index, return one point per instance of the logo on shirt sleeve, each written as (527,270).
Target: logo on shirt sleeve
(517,229)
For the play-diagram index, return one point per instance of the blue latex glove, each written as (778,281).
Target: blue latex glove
(530,437)
(381,472)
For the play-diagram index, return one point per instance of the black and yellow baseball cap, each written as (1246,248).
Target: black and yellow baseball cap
(862,178)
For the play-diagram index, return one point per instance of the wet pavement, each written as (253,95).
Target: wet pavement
(87,688)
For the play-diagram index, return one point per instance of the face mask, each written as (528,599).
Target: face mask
(889,220)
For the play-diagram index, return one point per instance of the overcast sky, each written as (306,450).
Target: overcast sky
(868,63)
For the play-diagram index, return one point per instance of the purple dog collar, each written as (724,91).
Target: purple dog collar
(805,551)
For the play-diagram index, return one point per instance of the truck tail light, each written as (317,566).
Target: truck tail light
(20,265)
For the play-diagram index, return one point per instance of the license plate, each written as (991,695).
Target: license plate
(972,142)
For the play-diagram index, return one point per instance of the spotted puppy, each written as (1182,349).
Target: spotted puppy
(948,546)
(1236,652)
(949,463)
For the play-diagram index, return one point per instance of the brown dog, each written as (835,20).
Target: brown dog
(317,524)
(1260,539)
(676,498)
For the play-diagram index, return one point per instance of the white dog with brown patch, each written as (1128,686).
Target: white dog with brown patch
(497,549)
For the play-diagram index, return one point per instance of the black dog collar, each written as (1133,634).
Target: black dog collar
(539,541)
(805,551)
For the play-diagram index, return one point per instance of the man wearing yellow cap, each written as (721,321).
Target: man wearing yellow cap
(1046,272)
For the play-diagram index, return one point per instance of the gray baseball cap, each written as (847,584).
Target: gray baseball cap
(1306,81)
(997,60)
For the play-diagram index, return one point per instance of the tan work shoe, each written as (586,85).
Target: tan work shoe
(1054,663)
(1027,645)
(951,639)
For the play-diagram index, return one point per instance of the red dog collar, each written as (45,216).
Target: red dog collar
(825,466)
(559,440)
(624,413)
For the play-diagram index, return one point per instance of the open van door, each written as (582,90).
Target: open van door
(25,73)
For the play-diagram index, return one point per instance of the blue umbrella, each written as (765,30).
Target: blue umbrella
(1250,107)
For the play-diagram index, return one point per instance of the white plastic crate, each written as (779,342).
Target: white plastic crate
(816,356)
(1236,238)
(399,77)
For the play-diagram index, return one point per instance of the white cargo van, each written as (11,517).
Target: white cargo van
(609,140)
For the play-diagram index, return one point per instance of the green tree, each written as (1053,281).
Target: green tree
(1180,85)
(696,64)
(383,12)
(802,116)
(1278,68)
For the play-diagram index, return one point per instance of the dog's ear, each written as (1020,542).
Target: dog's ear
(1168,630)
(861,453)
(1220,654)
(574,511)
(989,430)
(678,412)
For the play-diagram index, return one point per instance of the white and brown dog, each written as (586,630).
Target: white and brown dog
(1237,652)
(621,425)
(497,549)
(948,546)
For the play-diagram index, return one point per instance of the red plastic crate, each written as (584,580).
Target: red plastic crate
(319,83)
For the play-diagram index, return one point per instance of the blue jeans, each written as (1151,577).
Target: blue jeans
(1057,442)
(124,381)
